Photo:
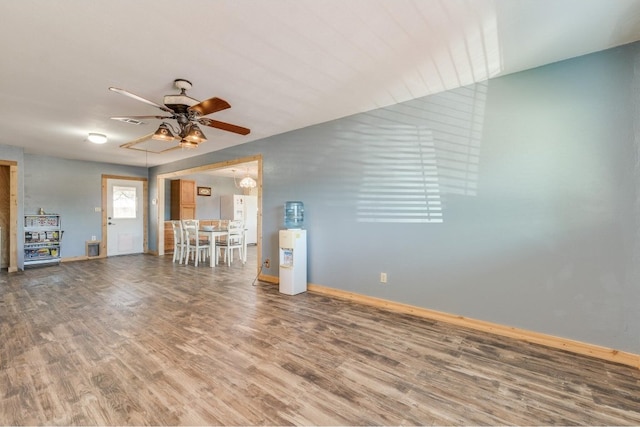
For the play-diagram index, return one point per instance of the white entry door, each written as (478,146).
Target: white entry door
(125,222)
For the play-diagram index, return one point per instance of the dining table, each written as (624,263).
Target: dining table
(212,233)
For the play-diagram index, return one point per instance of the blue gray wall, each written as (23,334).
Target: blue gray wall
(513,201)
(72,189)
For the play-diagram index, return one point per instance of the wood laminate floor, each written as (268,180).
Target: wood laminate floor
(136,340)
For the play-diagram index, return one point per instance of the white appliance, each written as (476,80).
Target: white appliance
(293,261)
(239,207)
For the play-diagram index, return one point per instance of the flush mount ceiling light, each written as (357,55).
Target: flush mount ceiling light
(97,138)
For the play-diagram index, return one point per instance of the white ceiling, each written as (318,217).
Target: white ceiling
(281,64)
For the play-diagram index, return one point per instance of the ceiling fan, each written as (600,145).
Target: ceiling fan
(187,112)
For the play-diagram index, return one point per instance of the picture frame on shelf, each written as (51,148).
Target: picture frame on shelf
(204,191)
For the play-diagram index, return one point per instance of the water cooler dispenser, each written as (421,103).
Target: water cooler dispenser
(293,251)
(293,215)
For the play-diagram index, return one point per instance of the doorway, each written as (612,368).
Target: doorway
(124,215)
(163,182)
(9,215)
(4,216)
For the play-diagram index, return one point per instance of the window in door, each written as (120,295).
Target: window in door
(124,202)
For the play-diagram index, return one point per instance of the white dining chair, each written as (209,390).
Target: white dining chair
(179,244)
(234,240)
(196,246)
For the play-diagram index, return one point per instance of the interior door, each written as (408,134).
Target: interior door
(125,221)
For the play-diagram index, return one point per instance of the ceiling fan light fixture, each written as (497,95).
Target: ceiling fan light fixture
(188,144)
(186,111)
(163,133)
(194,134)
(97,138)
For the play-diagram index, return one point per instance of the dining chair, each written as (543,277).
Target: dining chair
(234,240)
(179,244)
(199,247)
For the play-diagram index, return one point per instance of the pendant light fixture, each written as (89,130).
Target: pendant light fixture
(246,182)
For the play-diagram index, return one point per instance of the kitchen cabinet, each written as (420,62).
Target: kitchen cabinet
(183,199)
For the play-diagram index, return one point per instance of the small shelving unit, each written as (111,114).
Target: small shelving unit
(42,234)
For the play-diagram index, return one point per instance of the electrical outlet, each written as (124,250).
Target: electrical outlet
(267,263)
(383,277)
(93,238)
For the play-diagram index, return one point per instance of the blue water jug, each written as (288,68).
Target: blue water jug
(293,215)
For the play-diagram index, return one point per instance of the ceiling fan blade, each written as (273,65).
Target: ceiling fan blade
(209,106)
(139,98)
(224,126)
(142,117)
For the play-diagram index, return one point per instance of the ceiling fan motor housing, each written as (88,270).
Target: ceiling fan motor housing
(182,84)
(180,102)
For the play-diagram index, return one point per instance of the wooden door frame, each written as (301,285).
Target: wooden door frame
(13,214)
(145,211)
(160,202)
